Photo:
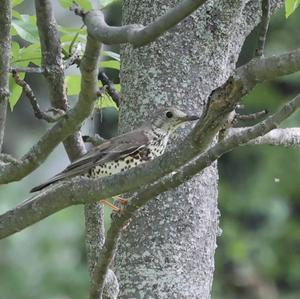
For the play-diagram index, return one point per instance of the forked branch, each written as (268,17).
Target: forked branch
(138,35)
(33,101)
(186,172)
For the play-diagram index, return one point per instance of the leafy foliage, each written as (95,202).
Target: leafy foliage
(24,27)
(290,6)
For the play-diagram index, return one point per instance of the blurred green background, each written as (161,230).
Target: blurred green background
(258,254)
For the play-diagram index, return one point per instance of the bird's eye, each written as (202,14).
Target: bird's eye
(169,114)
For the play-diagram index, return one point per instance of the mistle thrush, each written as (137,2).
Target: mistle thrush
(126,151)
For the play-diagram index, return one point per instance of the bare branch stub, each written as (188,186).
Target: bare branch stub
(77,9)
(33,101)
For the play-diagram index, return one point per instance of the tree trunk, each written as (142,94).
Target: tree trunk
(168,249)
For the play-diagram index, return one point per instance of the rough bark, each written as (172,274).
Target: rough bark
(168,249)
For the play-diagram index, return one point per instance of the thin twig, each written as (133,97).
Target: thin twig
(252,116)
(33,101)
(77,9)
(74,58)
(101,91)
(74,40)
(263,30)
(286,137)
(109,87)
(32,70)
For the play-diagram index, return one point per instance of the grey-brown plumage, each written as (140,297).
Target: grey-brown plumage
(126,151)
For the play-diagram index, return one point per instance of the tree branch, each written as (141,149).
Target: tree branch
(183,174)
(288,137)
(31,210)
(109,87)
(54,72)
(5,158)
(32,70)
(64,127)
(250,74)
(252,116)
(52,61)
(54,67)
(33,101)
(262,69)
(85,190)
(5,40)
(74,57)
(264,25)
(138,35)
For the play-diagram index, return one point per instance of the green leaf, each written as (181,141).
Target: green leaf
(32,53)
(73,30)
(73,85)
(110,64)
(106,102)
(106,2)
(13,31)
(290,6)
(117,87)
(15,48)
(16,15)
(111,54)
(26,28)
(16,2)
(66,3)
(85,4)
(15,91)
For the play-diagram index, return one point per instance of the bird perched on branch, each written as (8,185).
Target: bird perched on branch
(126,151)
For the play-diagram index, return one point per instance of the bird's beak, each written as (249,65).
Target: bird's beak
(190,118)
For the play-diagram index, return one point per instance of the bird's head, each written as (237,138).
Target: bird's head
(169,119)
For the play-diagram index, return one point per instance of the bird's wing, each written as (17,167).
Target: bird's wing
(110,150)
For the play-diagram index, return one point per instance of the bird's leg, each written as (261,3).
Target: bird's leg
(119,201)
(110,205)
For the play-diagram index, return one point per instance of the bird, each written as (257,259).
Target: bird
(126,151)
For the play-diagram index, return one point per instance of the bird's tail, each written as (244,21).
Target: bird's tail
(48,183)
